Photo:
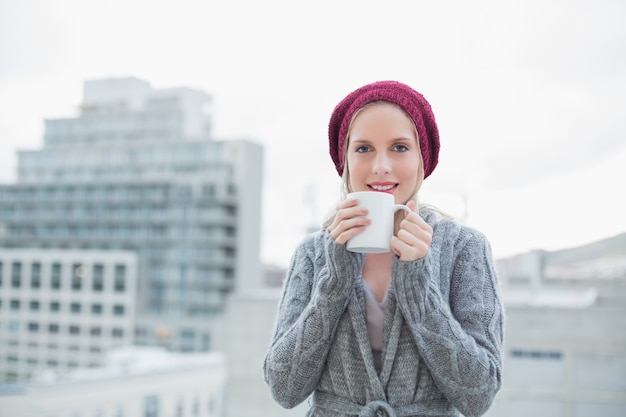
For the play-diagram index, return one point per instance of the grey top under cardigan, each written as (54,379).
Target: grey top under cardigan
(442,336)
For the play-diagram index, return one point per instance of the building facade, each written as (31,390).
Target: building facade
(565,344)
(133,382)
(62,309)
(138,171)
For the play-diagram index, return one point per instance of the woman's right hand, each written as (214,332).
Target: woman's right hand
(349,221)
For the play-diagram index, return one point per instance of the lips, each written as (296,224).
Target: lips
(383,187)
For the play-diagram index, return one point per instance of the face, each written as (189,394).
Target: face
(383,153)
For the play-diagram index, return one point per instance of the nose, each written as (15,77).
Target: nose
(381,164)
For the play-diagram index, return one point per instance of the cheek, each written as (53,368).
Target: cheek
(357,166)
(409,171)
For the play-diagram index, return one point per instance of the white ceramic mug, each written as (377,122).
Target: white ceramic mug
(376,238)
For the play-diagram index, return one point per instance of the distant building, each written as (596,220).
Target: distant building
(63,309)
(251,314)
(565,334)
(138,171)
(135,382)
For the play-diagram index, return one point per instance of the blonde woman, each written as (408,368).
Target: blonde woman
(417,331)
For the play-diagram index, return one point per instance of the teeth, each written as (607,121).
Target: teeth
(382,187)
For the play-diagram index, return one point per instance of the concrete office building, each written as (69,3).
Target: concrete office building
(251,317)
(565,344)
(137,170)
(62,309)
(134,382)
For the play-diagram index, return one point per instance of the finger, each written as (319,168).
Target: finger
(408,252)
(343,230)
(421,230)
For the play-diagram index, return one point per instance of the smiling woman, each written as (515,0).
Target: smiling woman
(417,330)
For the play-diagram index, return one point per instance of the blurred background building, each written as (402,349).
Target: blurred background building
(133,382)
(136,172)
(565,340)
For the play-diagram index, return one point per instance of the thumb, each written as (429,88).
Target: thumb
(412,205)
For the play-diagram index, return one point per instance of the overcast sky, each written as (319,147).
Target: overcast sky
(530,96)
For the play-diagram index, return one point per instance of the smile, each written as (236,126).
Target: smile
(381,187)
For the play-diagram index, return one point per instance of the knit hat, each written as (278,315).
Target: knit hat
(413,103)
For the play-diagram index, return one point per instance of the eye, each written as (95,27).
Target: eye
(362,149)
(400,148)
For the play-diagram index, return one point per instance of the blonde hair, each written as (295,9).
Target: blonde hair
(345,177)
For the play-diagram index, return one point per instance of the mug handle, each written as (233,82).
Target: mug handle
(397,207)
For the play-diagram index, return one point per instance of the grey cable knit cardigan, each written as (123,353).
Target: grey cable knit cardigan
(443,331)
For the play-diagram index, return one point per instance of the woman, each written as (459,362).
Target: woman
(416,331)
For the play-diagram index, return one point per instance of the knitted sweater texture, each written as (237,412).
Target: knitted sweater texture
(442,340)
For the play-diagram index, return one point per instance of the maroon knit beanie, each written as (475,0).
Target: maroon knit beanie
(413,103)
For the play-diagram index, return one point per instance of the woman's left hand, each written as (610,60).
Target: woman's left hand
(414,236)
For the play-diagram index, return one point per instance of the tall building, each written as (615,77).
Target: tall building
(137,170)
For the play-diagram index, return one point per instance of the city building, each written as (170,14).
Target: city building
(63,309)
(133,382)
(137,170)
(251,314)
(565,344)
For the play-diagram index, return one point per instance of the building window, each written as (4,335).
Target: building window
(33,327)
(79,272)
(98,278)
(35,275)
(120,278)
(34,305)
(540,355)
(151,406)
(117,333)
(53,328)
(96,309)
(0,274)
(75,307)
(55,276)
(196,408)
(95,331)
(118,310)
(74,329)
(15,305)
(55,306)
(16,275)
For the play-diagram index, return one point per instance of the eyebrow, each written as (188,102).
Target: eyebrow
(395,140)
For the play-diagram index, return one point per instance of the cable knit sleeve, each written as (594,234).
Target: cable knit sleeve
(450,301)
(321,278)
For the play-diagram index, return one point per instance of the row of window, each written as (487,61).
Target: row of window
(55,307)
(93,231)
(71,329)
(73,348)
(110,215)
(51,363)
(77,279)
(537,355)
(144,193)
(147,194)
(151,407)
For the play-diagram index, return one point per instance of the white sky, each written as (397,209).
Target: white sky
(530,96)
